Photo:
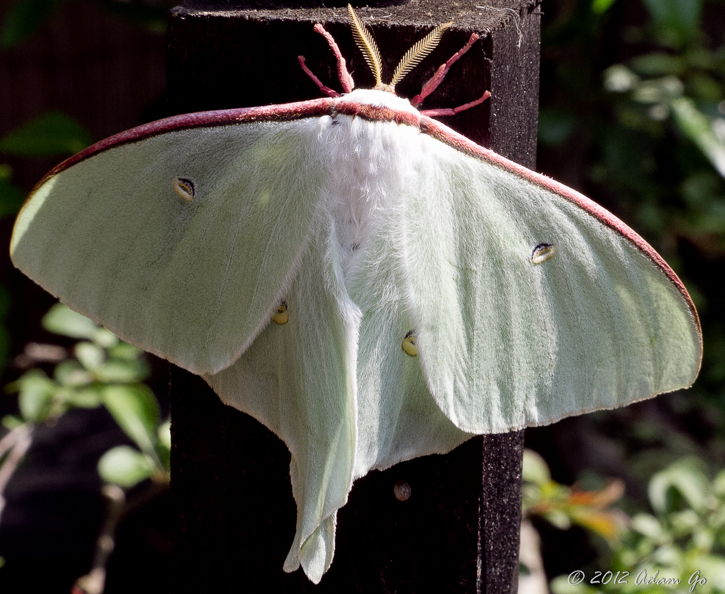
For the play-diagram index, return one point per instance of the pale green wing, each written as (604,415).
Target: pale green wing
(506,342)
(335,385)
(191,274)
(397,417)
(298,379)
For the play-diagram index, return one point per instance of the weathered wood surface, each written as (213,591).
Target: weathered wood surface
(234,515)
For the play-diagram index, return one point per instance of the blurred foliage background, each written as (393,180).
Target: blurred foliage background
(632,113)
(84,440)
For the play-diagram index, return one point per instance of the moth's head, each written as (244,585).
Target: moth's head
(411,59)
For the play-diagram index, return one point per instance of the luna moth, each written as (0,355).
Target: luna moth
(364,281)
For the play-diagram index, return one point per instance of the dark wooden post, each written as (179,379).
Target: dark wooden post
(234,516)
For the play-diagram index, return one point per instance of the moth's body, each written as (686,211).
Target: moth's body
(366,282)
(367,165)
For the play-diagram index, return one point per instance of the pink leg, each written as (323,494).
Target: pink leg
(345,79)
(440,74)
(342,73)
(453,111)
(326,90)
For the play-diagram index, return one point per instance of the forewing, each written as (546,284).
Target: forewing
(506,342)
(190,278)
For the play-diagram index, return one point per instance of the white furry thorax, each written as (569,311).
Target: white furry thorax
(368,161)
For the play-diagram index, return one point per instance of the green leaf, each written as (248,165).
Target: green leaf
(685,481)
(619,79)
(125,466)
(164,432)
(137,412)
(684,522)
(11,422)
(657,90)
(90,355)
(703,538)
(698,128)
(535,469)
(648,525)
(70,373)
(105,338)
(164,444)
(123,350)
(24,18)
(36,395)
(63,320)
(83,397)
(668,555)
(601,6)
(50,134)
(119,371)
(559,519)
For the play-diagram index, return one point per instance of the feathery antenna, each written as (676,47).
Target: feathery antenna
(417,53)
(367,46)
